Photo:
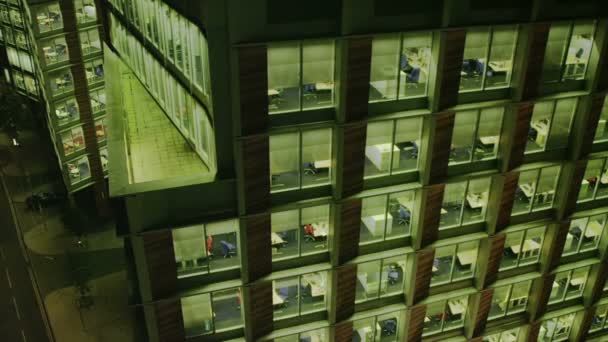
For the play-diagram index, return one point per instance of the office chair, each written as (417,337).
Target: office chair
(228,249)
(389,327)
(309,168)
(479,68)
(393,275)
(404,216)
(413,76)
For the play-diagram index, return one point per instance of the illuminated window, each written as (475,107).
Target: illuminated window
(601,133)
(94,71)
(72,140)
(211,313)
(522,248)
(464,203)
(89,42)
(400,66)
(60,81)
(595,181)
(455,262)
(78,170)
(55,50)
(584,234)
(48,17)
(568,285)
(598,321)
(318,335)
(66,111)
(556,329)
(386,217)
(85,11)
(535,190)
(505,336)
(385,327)
(98,100)
(510,299)
(568,51)
(488,58)
(300,160)
(380,278)
(299,295)
(550,125)
(445,315)
(476,135)
(300,76)
(299,232)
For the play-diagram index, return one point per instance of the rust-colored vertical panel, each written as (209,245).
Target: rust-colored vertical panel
(452,66)
(160,258)
(169,321)
(523,116)
(416,323)
(585,323)
(575,187)
(253,86)
(423,273)
(259,296)
(506,201)
(343,332)
(433,198)
(557,247)
(349,231)
(357,78)
(600,281)
(442,143)
(256,173)
(543,294)
(346,278)
(533,331)
(354,158)
(497,246)
(259,254)
(537,43)
(485,302)
(597,103)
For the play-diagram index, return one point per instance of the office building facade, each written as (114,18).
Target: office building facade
(362,170)
(52,53)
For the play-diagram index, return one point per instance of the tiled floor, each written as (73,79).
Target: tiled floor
(158,150)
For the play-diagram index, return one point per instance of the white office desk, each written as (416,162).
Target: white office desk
(594,228)
(273,92)
(528,189)
(456,306)
(62,114)
(542,129)
(500,66)
(324,86)
(604,178)
(375,224)
(276,299)
(477,200)
(489,140)
(380,155)
(316,283)
(322,164)
(577,281)
(527,248)
(467,257)
(275,239)
(320,229)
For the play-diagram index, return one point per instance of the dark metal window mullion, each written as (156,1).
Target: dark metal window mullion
(488,52)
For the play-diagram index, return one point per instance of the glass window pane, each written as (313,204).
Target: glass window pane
(451,209)
(593,232)
(539,126)
(519,297)
(79,170)
(488,133)
(285,297)
(312,292)
(466,259)
(433,321)
(317,74)
(384,68)
(373,219)
(602,184)
(500,300)
(597,322)
(197,314)
(590,179)
(407,142)
(559,287)
(601,133)
(388,327)
(379,148)
(368,281)
(319,335)
(577,283)
(545,191)
(498,74)
(190,252)
(456,310)
(525,191)
(463,137)
(579,51)
(531,247)
(284,160)
(442,265)
(554,52)
(283,78)
(363,329)
(227,309)
(222,238)
(560,125)
(392,276)
(284,236)
(414,65)
(512,250)
(316,157)
(315,229)
(474,60)
(573,238)
(401,207)
(476,202)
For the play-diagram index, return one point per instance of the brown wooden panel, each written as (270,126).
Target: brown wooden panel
(598,286)
(160,257)
(557,247)
(253,86)
(523,116)
(354,158)
(259,253)
(169,321)
(442,142)
(256,168)
(416,323)
(424,272)
(451,68)
(506,201)
(343,332)
(497,246)
(259,296)
(575,186)
(349,230)
(357,78)
(485,302)
(533,331)
(597,103)
(433,197)
(346,285)
(537,42)
(542,297)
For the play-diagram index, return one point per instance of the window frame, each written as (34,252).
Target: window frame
(451,277)
(533,197)
(299,295)
(508,311)
(521,242)
(384,263)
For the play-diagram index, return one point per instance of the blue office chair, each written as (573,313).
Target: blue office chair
(389,327)
(413,76)
(404,215)
(393,275)
(228,249)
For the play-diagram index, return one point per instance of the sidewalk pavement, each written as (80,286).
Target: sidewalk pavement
(108,319)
